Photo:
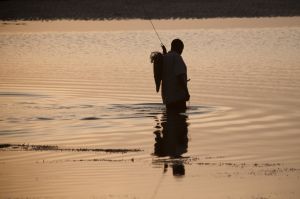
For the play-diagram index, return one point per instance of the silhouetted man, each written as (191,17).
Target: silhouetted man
(174,78)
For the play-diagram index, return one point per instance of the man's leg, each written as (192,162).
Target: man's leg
(179,106)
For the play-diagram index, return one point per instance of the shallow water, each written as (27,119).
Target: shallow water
(95,91)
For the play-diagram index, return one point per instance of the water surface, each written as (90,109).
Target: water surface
(66,97)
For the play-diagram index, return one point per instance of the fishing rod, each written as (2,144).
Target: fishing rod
(149,18)
(161,43)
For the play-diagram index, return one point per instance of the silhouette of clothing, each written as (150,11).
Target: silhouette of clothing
(172,89)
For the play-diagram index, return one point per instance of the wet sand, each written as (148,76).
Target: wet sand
(69,131)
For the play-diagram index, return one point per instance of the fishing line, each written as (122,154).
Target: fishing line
(157,186)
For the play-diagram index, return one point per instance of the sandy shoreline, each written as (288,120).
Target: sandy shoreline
(138,24)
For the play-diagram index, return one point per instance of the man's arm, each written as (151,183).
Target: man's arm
(164,49)
(183,82)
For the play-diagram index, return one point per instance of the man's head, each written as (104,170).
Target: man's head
(177,46)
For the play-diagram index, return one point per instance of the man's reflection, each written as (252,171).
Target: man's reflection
(171,139)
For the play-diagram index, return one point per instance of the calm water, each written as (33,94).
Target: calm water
(95,90)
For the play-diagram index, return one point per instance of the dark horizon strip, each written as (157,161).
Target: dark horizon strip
(142,9)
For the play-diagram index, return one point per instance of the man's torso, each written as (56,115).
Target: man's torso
(172,90)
